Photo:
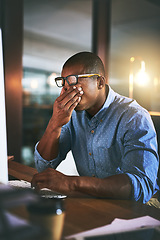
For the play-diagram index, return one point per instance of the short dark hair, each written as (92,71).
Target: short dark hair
(91,62)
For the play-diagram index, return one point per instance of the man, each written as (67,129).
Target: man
(112,138)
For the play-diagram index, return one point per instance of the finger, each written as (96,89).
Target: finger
(33,181)
(71,99)
(74,105)
(71,106)
(44,176)
(40,185)
(69,93)
(38,177)
(65,92)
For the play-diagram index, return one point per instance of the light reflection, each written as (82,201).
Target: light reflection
(34,83)
(156,82)
(51,80)
(142,78)
(132,59)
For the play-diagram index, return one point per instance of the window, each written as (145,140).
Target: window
(53,31)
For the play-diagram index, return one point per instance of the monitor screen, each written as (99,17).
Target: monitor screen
(3,137)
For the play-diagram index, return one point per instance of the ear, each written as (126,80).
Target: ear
(101,82)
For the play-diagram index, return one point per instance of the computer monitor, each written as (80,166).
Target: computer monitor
(3,136)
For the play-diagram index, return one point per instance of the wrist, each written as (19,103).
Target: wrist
(52,128)
(73,183)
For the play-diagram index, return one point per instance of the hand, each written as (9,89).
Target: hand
(65,104)
(52,179)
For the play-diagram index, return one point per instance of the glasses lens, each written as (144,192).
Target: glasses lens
(72,80)
(59,81)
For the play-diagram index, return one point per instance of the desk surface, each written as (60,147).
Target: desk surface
(84,214)
(87,213)
(21,171)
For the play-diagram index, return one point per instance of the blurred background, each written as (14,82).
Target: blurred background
(53,30)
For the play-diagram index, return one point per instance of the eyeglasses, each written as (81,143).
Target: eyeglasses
(72,79)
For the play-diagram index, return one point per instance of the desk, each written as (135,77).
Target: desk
(21,171)
(87,213)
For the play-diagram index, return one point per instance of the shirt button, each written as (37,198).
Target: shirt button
(90,153)
(92,131)
(101,120)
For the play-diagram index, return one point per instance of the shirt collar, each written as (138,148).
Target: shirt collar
(109,100)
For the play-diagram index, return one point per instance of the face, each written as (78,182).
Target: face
(93,97)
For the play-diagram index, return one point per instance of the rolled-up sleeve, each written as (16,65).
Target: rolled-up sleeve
(64,147)
(140,160)
(40,163)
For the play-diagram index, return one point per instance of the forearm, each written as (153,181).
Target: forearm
(62,111)
(115,187)
(49,144)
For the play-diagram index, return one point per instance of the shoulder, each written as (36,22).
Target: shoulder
(119,103)
(128,112)
(128,106)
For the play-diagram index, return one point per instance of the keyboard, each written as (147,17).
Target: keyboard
(44,192)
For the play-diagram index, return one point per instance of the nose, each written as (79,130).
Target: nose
(66,85)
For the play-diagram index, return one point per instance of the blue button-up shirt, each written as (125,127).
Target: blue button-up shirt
(120,138)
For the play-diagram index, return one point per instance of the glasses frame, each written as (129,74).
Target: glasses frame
(77,76)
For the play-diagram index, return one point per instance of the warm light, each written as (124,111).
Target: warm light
(156,82)
(142,78)
(34,84)
(132,59)
(131,85)
(51,79)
